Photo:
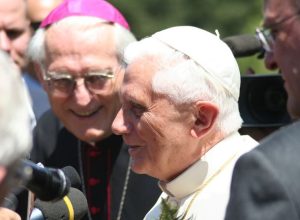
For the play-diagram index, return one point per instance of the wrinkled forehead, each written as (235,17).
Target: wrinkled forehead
(138,75)
(82,50)
(81,37)
(141,70)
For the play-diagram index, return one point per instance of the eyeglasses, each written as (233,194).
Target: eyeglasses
(266,39)
(267,36)
(62,84)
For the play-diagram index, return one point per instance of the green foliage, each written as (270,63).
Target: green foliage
(230,17)
(168,212)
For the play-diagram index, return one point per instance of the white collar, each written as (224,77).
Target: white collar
(202,170)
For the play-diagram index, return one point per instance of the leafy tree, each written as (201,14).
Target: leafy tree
(229,17)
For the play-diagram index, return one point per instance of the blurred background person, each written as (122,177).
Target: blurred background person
(15,131)
(15,30)
(78,55)
(265,182)
(37,10)
(282,47)
(15,34)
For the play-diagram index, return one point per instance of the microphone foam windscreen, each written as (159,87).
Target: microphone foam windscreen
(243,45)
(61,209)
(73,176)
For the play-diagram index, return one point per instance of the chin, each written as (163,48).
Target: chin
(95,136)
(137,167)
(91,135)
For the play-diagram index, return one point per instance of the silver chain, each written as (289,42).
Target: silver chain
(124,190)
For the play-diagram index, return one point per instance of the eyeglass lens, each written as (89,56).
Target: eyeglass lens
(64,85)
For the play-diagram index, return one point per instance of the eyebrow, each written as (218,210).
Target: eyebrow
(280,20)
(130,96)
(90,70)
(267,22)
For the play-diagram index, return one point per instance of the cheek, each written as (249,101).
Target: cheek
(21,43)
(57,104)
(151,132)
(166,139)
(110,101)
(54,100)
(150,127)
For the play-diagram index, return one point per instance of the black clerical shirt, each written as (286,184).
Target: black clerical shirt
(98,162)
(104,169)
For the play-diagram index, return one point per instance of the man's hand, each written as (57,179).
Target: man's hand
(7,214)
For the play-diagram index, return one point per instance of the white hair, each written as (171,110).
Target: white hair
(36,50)
(184,81)
(15,126)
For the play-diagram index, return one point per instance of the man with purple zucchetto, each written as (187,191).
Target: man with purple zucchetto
(77,53)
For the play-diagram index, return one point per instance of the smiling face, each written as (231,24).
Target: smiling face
(157,131)
(76,52)
(283,18)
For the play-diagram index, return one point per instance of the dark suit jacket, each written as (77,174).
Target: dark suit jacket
(39,98)
(54,146)
(266,181)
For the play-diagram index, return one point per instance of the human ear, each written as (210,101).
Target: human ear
(205,117)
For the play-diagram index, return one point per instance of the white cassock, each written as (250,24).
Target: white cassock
(202,191)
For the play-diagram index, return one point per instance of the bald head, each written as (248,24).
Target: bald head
(39,9)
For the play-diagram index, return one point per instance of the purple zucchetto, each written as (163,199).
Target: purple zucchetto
(94,8)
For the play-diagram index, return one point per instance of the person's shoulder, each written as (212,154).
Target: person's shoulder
(282,145)
(48,122)
(288,136)
(48,115)
(47,130)
(51,138)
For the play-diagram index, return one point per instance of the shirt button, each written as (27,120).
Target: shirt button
(94,210)
(94,153)
(94,181)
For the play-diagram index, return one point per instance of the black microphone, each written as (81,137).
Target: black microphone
(244,45)
(73,206)
(73,176)
(11,200)
(46,183)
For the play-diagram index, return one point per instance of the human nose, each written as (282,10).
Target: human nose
(270,62)
(119,126)
(81,92)
(5,43)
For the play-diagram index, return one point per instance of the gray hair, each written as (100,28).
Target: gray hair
(36,49)
(184,81)
(15,126)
